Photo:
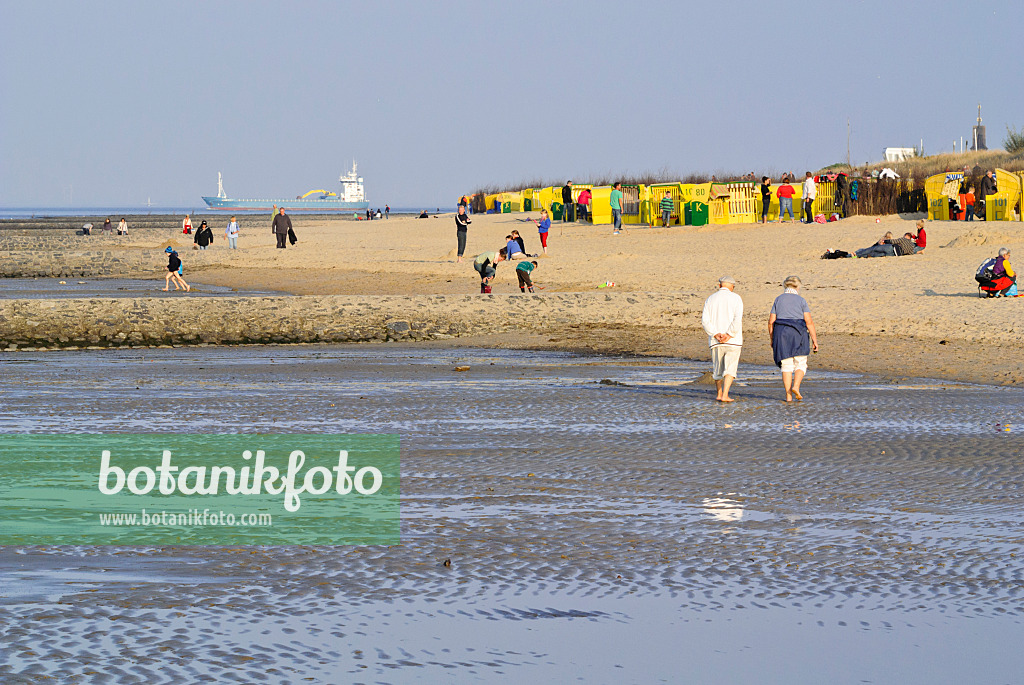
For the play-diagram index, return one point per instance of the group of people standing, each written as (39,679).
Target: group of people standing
(202,237)
(785,193)
(790,329)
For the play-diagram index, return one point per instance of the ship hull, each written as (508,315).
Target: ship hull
(293,205)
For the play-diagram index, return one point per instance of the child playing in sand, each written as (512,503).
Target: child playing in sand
(174,271)
(486,264)
(921,239)
(524,271)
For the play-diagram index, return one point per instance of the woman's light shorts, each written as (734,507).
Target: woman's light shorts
(795,364)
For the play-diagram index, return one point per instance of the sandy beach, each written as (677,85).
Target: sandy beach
(898,316)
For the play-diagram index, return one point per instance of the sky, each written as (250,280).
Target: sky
(116,103)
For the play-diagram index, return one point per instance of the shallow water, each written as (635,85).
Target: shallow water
(71,287)
(628,532)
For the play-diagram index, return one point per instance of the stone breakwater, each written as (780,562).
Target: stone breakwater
(183,320)
(324,319)
(102,262)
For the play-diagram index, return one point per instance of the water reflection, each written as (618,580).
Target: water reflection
(723,509)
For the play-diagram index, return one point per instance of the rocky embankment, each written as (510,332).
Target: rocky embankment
(320,319)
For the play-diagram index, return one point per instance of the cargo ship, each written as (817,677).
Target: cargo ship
(350,199)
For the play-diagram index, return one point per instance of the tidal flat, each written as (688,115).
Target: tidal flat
(604,519)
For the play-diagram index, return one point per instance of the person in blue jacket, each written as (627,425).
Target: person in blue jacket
(543,226)
(791,330)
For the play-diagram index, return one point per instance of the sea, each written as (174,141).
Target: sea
(143,210)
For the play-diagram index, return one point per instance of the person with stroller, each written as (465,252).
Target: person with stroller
(996,276)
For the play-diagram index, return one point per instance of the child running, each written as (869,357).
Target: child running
(174,271)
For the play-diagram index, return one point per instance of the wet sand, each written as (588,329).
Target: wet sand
(71,288)
(604,518)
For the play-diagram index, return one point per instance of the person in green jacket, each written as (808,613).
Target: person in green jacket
(666,208)
(616,202)
(523,271)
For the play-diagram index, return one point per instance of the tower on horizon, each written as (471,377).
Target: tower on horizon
(978,134)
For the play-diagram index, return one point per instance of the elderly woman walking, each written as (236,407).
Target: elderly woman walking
(792,333)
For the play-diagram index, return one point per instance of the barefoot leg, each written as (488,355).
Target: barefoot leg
(798,376)
(726,384)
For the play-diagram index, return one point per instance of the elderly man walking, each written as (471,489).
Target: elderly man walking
(723,322)
(282,224)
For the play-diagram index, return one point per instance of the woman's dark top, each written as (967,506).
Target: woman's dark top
(173,262)
(462,222)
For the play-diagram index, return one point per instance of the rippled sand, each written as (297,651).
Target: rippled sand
(625,531)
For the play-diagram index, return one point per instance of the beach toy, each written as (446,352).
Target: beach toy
(878,221)
(607,284)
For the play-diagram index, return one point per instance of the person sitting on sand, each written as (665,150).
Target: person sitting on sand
(423,215)
(524,271)
(486,265)
(921,239)
(522,246)
(513,249)
(174,271)
(883,248)
(789,327)
(122,227)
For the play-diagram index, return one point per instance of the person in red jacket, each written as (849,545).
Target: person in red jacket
(921,239)
(785,194)
(583,205)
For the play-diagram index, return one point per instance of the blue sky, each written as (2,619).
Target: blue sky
(125,101)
